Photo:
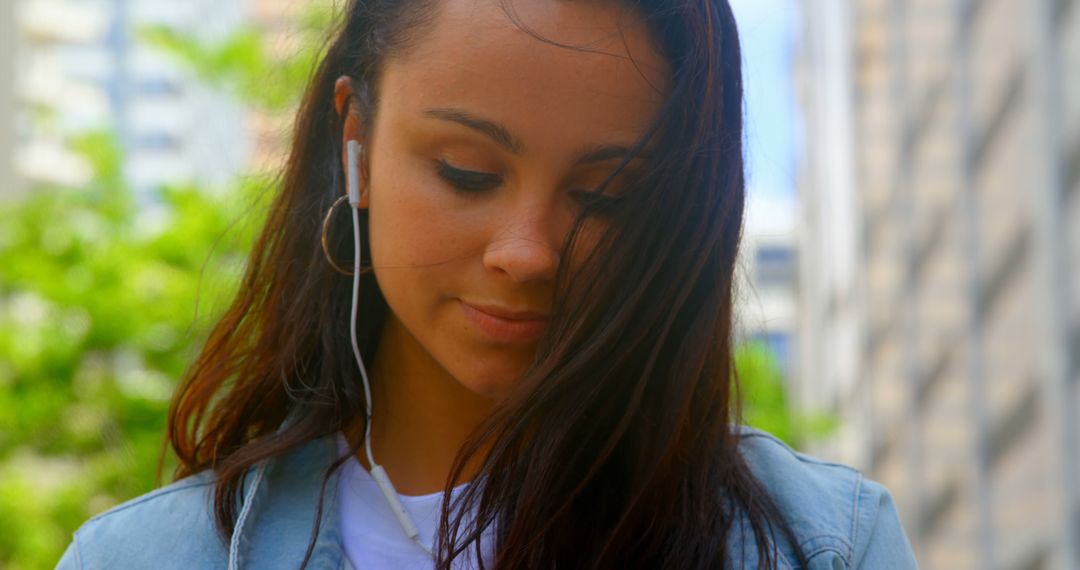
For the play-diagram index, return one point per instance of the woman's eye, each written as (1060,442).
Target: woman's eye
(473,182)
(595,201)
(467,181)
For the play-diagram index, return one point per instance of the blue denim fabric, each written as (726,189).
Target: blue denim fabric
(840,519)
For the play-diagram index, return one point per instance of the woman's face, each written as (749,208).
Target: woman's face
(484,141)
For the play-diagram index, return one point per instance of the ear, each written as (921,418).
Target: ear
(345,105)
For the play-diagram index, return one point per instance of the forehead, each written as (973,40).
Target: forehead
(592,74)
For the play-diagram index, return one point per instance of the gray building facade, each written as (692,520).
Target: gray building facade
(959,128)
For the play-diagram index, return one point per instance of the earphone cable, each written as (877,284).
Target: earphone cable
(377,471)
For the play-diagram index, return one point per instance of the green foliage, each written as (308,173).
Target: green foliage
(765,399)
(98,318)
(103,303)
(243,65)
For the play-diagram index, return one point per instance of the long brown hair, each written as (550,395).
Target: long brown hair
(616,447)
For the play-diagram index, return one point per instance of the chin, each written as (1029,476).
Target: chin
(493,389)
(489,372)
(493,384)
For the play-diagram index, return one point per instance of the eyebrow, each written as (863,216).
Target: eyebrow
(491,129)
(502,136)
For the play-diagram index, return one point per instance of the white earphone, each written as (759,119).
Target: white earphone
(352,182)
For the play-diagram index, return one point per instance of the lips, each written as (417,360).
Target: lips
(505,325)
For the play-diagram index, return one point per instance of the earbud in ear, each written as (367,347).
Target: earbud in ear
(352,175)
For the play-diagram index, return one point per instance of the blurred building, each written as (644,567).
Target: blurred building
(940,240)
(79,65)
(768,278)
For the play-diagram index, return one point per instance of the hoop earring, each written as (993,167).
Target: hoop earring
(326,247)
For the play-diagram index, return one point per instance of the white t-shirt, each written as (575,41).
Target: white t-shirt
(371,534)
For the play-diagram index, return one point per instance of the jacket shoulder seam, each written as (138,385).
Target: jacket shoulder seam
(833,539)
(78,550)
(840,550)
(150,497)
(855,512)
(796,454)
(826,541)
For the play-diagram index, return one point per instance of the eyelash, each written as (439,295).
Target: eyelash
(467,181)
(470,183)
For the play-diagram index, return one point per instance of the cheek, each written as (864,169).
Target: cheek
(411,226)
(417,247)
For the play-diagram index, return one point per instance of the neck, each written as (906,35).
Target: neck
(421,415)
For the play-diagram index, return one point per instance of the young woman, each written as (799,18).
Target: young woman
(528,362)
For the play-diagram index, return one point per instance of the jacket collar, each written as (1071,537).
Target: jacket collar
(284,504)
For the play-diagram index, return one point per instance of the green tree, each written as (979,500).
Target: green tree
(765,399)
(103,304)
(98,316)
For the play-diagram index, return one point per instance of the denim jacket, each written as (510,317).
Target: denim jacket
(840,519)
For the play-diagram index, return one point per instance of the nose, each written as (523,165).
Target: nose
(524,247)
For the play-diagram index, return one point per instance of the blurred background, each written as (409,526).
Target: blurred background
(908,276)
